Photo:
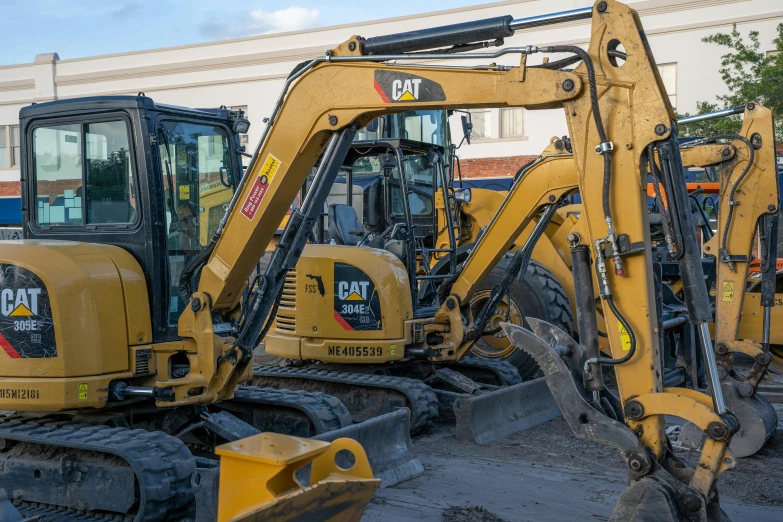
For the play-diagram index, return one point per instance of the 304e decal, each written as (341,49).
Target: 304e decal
(26,325)
(399,87)
(357,305)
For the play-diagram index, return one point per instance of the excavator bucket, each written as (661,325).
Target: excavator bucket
(497,414)
(258,480)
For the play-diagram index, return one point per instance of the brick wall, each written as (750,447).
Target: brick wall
(10,188)
(493,167)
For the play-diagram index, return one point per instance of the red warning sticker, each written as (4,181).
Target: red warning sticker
(260,186)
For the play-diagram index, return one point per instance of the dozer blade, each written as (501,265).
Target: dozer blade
(497,414)
(387,442)
(258,480)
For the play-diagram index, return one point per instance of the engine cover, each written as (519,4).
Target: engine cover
(68,313)
(343,304)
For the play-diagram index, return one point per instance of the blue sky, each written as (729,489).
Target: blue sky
(77,28)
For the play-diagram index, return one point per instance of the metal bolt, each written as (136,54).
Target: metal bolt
(717,431)
(451,304)
(629,146)
(315,328)
(601,7)
(568,85)
(772,208)
(764,358)
(660,129)
(195,304)
(634,410)
(751,106)
(573,239)
(721,348)
(559,144)
(552,198)
(333,120)
(745,389)
(635,464)
(690,504)
(726,152)
(352,46)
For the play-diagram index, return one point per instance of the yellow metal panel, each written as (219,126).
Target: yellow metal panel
(134,287)
(55,393)
(87,305)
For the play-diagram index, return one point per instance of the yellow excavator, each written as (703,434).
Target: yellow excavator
(100,392)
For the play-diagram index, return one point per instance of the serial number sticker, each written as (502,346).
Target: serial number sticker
(355,351)
(83,391)
(625,337)
(728,292)
(19,394)
(260,186)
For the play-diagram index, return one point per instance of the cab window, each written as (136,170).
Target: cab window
(83,175)
(198,172)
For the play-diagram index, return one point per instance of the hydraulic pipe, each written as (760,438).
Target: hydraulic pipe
(711,115)
(689,259)
(560,17)
(466,32)
(769,250)
(585,315)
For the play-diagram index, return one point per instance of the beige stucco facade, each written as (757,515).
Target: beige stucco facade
(249,72)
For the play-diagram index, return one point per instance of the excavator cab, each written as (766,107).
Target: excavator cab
(153,179)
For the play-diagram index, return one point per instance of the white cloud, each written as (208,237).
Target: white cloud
(282,20)
(262,22)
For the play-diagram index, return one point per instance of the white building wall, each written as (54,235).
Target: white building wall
(251,71)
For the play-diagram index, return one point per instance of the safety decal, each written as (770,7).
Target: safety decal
(399,87)
(625,337)
(83,391)
(260,186)
(357,305)
(728,292)
(26,324)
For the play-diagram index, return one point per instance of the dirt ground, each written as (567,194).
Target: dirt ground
(545,474)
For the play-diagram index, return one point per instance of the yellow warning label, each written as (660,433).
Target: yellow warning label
(82,391)
(184,192)
(270,168)
(21,311)
(625,337)
(728,292)
(393,349)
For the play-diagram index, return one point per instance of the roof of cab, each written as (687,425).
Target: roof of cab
(112,103)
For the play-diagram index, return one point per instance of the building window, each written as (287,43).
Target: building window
(9,146)
(668,72)
(243,139)
(512,122)
(482,123)
(773,53)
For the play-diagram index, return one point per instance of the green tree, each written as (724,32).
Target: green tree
(750,74)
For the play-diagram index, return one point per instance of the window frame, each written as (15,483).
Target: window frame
(510,137)
(15,162)
(82,121)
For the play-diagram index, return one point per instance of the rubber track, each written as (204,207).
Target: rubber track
(506,372)
(163,464)
(421,399)
(326,413)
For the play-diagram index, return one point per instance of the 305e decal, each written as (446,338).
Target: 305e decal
(357,305)
(26,325)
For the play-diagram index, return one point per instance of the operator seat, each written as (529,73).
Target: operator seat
(344,225)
